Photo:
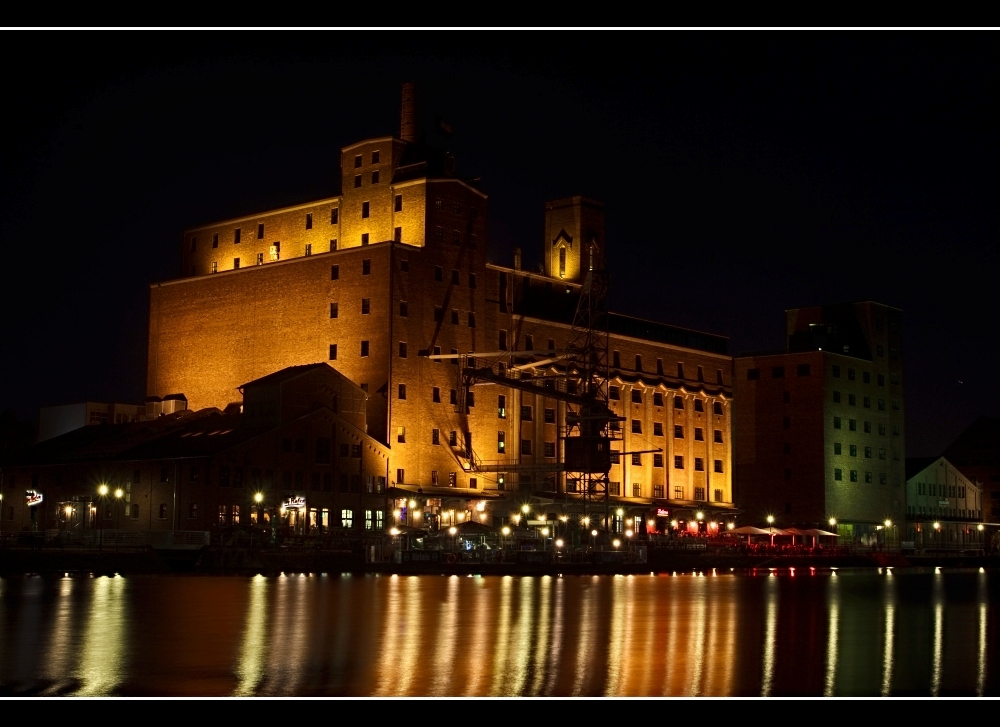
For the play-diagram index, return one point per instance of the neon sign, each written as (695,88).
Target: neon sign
(661,512)
(294,503)
(32,498)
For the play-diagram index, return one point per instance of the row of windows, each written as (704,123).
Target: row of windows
(852,451)
(943,511)
(778,372)
(838,475)
(439,277)
(866,401)
(614,394)
(852,425)
(924,488)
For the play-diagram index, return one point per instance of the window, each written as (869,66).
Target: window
(753,374)
(456,238)
(851,375)
(838,475)
(718,465)
(529,343)
(472,319)
(868,427)
(236,236)
(636,459)
(802,369)
(658,461)
(402,389)
(699,405)
(401,431)
(836,422)
(852,424)
(501,406)
(347,517)
(868,477)
(438,314)
(525,413)
(854,475)
(236,263)
(550,416)
(852,400)
(366,266)
(699,493)
(375,177)
(549,449)
(454,277)
(836,372)
(881,478)
(699,464)
(613,393)
(657,429)
(366,306)
(334,216)
(678,402)
(470,399)
(895,404)
(717,438)
(526,446)
(658,489)
(836,448)
(678,431)
(853,450)
(215,240)
(895,429)
(636,396)
(453,397)
(454,317)
(636,426)
(866,377)
(680,370)
(364,239)
(364,349)
(777,372)
(836,397)
(215,267)
(163,511)
(881,453)
(638,362)
(309,221)
(357,181)
(678,462)
(699,434)
(717,408)
(438,273)
(657,398)
(404,309)
(260,256)
(333,351)
(193,510)
(501,442)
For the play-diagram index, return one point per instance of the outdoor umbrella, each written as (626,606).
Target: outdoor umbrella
(749,530)
(816,534)
(471,527)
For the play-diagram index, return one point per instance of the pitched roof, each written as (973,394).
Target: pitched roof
(286,374)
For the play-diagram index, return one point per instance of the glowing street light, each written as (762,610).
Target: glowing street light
(730,525)
(700,515)
(545,532)
(505,530)
(452,530)
(674,524)
(629,533)
(559,543)
(525,508)
(770,526)
(616,542)
(833,522)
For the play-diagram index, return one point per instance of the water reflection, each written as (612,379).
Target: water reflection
(679,635)
(99,665)
(250,670)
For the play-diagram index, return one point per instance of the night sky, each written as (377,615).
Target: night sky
(742,173)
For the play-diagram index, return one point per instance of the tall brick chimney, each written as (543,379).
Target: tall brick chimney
(408,113)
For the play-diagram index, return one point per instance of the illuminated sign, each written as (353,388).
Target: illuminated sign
(32,498)
(660,512)
(294,503)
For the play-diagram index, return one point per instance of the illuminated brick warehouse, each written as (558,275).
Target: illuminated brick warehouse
(390,284)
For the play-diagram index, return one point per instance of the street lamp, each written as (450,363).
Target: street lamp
(770,527)
(885,539)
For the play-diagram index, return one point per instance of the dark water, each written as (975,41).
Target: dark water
(843,633)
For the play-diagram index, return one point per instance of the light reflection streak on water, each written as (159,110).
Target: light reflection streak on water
(522,633)
(712,639)
(503,639)
(890,627)
(287,663)
(729,654)
(617,645)
(253,650)
(446,633)
(696,639)
(669,654)
(585,633)
(830,680)
(392,636)
(482,631)
(981,670)
(770,634)
(542,650)
(409,660)
(650,638)
(631,667)
(100,659)
(557,635)
(938,632)
(60,653)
